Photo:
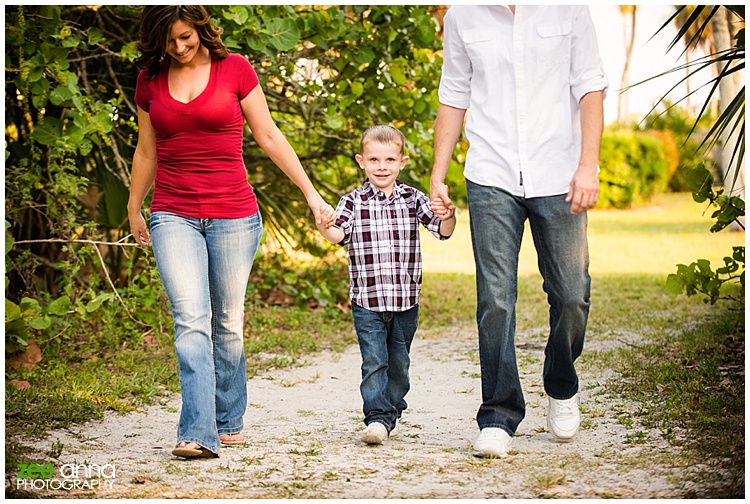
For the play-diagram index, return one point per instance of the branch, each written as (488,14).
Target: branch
(114,289)
(90,242)
(113,74)
(101,260)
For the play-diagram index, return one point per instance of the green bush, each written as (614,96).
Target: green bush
(699,276)
(679,123)
(634,167)
(278,280)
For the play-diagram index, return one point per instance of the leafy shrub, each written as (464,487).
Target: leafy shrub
(634,167)
(277,280)
(671,151)
(679,124)
(699,276)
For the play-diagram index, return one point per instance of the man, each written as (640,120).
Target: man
(532,80)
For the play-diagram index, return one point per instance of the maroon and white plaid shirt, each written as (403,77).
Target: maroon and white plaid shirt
(382,237)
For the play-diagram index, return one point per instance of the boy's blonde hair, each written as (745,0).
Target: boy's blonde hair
(385,134)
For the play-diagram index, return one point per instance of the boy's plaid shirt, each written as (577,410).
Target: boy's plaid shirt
(382,237)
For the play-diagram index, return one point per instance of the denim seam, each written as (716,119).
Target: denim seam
(231,430)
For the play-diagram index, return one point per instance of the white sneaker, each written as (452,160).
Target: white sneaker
(492,442)
(375,433)
(563,418)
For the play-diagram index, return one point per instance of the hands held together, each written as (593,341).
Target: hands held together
(327,216)
(441,204)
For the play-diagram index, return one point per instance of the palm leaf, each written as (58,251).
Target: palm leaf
(277,218)
(729,62)
(685,28)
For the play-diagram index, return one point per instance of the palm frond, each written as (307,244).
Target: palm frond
(695,17)
(277,219)
(737,10)
(728,62)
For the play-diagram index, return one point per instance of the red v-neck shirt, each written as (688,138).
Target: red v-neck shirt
(200,171)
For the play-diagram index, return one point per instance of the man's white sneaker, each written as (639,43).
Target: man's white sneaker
(375,433)
(563,418)
(492,442)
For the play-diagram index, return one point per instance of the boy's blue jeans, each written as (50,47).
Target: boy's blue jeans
(497,225)
(205,266)
(384,342)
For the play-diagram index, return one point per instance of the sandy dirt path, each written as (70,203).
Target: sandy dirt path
(303,426)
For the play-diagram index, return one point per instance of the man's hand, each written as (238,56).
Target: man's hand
(441,203)
(584,190)
(584,187)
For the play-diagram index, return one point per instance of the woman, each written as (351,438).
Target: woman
(192,97)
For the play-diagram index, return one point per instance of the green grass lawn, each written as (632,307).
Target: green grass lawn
(650,240)
(631,252)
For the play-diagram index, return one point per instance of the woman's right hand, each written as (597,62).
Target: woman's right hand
(138,229)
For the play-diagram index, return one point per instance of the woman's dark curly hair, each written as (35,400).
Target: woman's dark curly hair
(156,24)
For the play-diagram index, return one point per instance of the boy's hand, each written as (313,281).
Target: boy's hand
(442,210)
(447,215)
(326,225)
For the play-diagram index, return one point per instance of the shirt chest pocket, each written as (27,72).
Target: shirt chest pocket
(483,48)
(552,47)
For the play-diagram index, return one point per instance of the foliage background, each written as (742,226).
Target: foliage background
(328,72)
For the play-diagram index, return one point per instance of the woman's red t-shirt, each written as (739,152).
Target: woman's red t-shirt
(200,171)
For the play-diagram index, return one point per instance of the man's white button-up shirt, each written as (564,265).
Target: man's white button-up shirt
(521,77)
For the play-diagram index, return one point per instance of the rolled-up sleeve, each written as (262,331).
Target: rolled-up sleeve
(455,82)
(586,68)
(344,218)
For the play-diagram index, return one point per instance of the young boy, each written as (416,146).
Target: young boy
(379,224)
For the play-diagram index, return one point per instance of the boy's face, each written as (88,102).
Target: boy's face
(382,163)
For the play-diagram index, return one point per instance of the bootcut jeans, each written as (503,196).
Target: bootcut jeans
(205,266)
(497,224)
(385,342)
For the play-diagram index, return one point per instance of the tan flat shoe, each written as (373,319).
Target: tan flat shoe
(184,450)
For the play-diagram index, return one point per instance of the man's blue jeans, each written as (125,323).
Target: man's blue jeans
(497,225)
(384,342)
(205,265)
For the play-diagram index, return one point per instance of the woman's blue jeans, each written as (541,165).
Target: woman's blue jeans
(205,266)
(384,342)
(497,225)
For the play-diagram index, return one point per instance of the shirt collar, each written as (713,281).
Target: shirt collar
(372,192)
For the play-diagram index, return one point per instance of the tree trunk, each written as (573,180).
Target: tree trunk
(623,101)
(734,180)
(688,104)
